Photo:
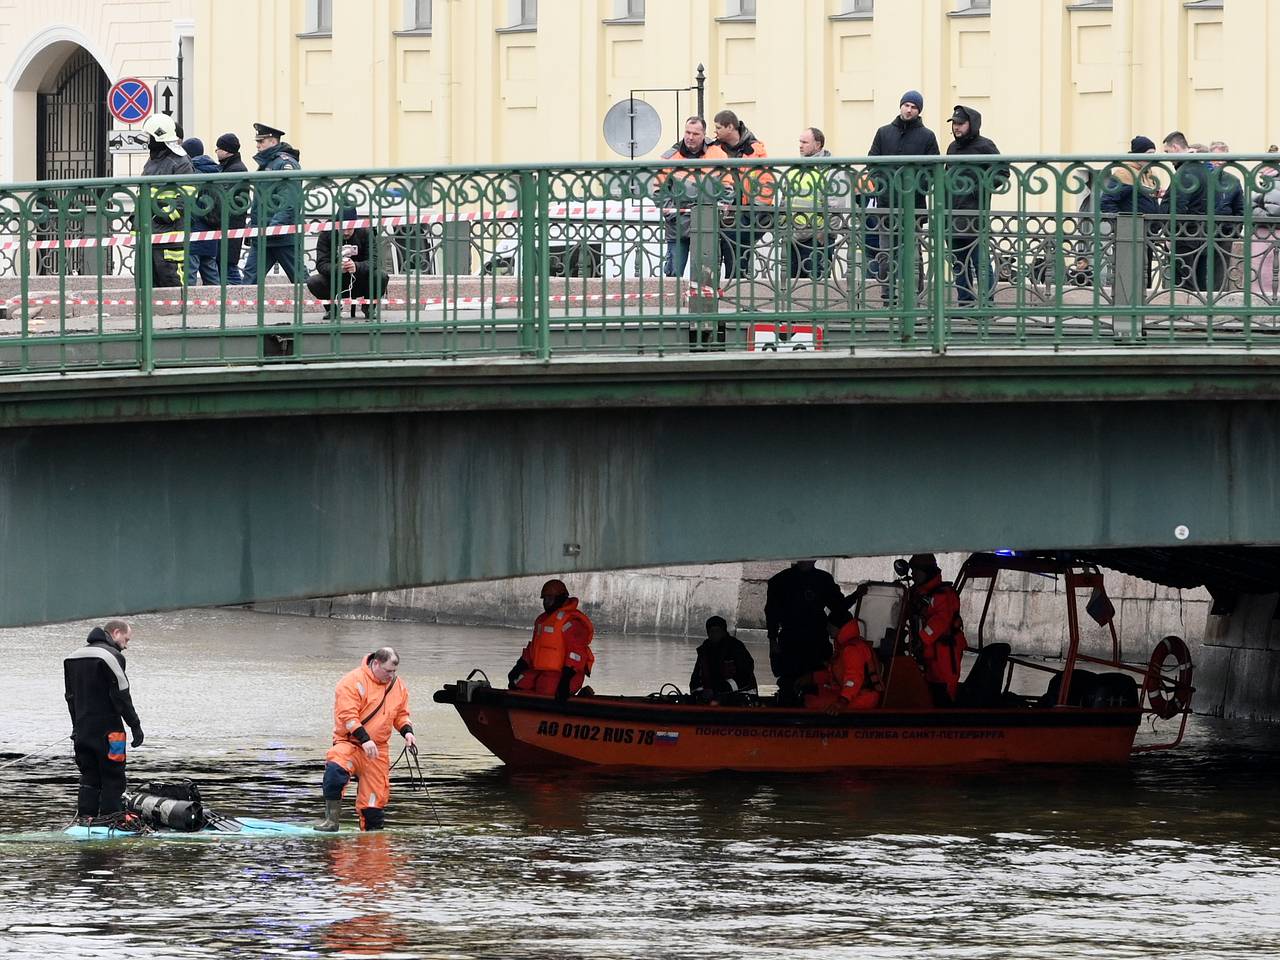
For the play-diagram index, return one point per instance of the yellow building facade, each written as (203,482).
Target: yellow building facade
(379,83)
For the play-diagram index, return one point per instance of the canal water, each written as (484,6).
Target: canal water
(1177,855)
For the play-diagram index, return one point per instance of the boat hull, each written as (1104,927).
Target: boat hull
(529,732)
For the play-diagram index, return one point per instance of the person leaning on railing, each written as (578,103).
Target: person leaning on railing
(1228,202)
(1186,202)
(351,262)
(676,190)
(969,189)
(807,190)
(904,136)
(1131,188)
(167,158)
(750,190)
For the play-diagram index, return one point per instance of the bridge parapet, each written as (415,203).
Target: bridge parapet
(920,254)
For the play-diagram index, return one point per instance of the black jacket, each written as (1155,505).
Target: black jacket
(970,185)
(725,667)
(329,259)
(1188,192)
(901,138)
(904,138)
(239,195)
(97,689)
(795,612)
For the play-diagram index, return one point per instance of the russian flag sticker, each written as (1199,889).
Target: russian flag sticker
(666,737)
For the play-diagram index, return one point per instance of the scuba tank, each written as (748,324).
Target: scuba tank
(174,805)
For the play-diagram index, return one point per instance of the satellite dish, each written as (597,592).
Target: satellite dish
(632,128)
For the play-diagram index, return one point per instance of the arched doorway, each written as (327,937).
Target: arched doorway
(72,121)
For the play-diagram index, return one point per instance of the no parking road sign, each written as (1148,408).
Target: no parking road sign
(130,100)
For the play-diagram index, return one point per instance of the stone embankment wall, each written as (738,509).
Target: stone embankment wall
(1236,657)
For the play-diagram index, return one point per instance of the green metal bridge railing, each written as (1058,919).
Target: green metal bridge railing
(931,254)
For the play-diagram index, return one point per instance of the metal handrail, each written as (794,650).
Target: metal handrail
(547,260)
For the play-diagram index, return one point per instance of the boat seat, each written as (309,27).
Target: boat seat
(984,687)
(1082,685)
(1113,690)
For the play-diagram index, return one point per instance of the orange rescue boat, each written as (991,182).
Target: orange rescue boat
(1081,717)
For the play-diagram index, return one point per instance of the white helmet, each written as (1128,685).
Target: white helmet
(162,129)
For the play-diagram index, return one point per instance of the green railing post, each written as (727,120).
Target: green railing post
(938,257)
(528,226)
(1128,280)
(142,267)
(905,288)
(544,265)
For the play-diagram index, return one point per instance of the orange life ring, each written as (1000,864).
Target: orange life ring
(1168,698)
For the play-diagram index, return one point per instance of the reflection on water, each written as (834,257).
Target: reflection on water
(1174,856)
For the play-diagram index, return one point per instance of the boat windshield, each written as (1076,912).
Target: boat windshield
(879,613)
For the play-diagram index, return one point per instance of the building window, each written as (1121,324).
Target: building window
(528,13)
(859,6)
(420,15)
(742,8)
(964,6)
(324,16)
(634,10)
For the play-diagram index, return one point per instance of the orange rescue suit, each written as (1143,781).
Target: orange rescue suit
(359,695)
(852,678)
(561,638)
(941,633)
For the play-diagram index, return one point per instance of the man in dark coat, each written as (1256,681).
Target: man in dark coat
(167,158)
(796,607)
(202,259)
(1186,203)
(351,262)
(233,199)
(725,671)
(97,693)
(1228,202)
(905,136)
(969,187)
(275,204)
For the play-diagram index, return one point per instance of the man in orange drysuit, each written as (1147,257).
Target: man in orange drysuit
(852,679)
(369,703)
(559,657)
(935,608)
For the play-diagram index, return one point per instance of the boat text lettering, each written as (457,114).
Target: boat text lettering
(928,734)
(807,733)
(593,731)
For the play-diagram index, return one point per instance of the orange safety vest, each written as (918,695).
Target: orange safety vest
(754,185)
(562,638)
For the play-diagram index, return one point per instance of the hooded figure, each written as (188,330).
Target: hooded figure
(970,187)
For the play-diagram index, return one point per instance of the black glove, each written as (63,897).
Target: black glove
(515,673)
(562,691)
(137,737)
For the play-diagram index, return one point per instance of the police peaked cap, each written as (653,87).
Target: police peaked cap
(263,130)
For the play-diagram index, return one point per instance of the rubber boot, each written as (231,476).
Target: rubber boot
(332,816)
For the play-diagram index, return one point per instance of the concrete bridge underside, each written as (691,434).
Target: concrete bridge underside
(129,493)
